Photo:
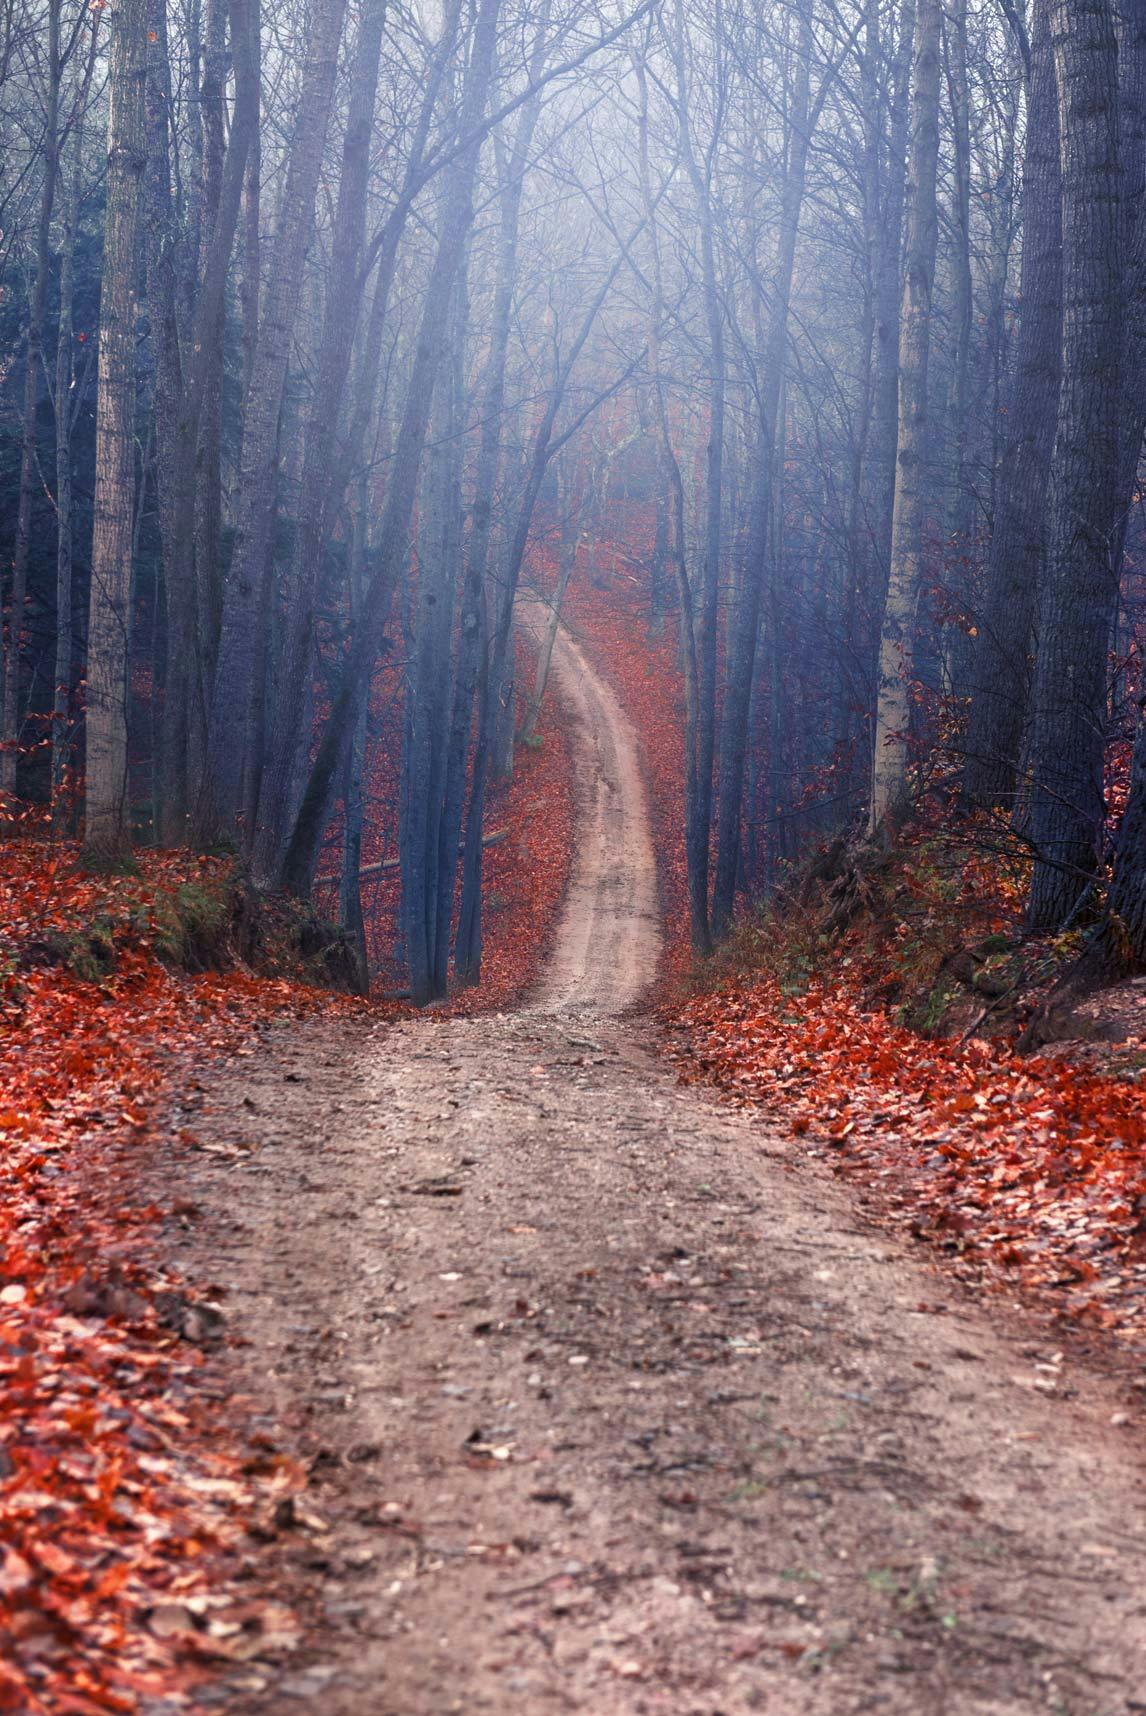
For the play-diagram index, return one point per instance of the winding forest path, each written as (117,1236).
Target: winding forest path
(615,1405)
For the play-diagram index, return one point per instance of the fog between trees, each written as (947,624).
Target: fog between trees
(321,323)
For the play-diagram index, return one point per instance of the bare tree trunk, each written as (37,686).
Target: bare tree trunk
(33,379)
(1001,669)
(699,806)
(566,563)
(960,499)
(207,596)
(107,831)
(190,645)
(669,467)
(252,244)
(301,854)
(888,300)
(220,798)
(429,693)
(896,656)
(65,412)
(165,291)
(757,554)
(318,496)
(511,165)
(505,731)
(1070,691)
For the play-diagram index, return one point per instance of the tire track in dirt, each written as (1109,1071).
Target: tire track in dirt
(614,1404)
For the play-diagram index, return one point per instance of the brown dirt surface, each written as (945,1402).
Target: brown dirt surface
(613,1403)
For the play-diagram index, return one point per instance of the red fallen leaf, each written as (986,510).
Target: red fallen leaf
(14,1691)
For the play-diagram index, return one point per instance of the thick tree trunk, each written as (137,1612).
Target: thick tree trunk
(220,799)
(207,595)
(33,386)
(165,284)
(1001,669)
(65,412)
(250,281)
(107,829)
(896,656)
(1132,100)
(1070,691)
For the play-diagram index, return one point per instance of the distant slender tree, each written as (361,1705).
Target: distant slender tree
(232,769)
(757,559)
(319,496)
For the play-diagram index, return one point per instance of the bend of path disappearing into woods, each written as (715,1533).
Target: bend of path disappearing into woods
(615,1405)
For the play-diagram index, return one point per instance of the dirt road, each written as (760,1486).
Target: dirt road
(615,1406)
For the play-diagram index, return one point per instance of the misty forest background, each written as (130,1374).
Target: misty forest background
(325,327)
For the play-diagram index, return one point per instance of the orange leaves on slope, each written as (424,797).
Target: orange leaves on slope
(117,1490)
(1028,1170)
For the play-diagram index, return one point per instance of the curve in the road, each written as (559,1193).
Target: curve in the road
(608,939)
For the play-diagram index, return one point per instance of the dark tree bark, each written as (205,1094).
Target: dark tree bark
(229,724)
(318,496)
(301,855)
(1001,670)
(698,812)
(1070,691)
(429,683)
(34,370)
(66,410)
(166,262)
(757,557)
(1124,937)
(190,643)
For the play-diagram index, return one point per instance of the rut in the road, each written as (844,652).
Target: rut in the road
(615,1406)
